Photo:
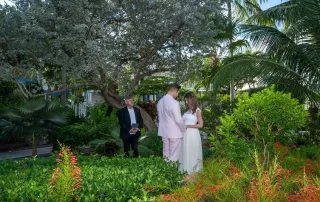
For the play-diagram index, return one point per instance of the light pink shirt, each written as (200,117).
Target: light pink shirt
(171,124)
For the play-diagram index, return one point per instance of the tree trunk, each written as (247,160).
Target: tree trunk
(116,101)
(232,91)
(34,145)
(64,86)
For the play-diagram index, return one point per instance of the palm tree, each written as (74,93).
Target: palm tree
(242,10)
(33,117)
(291,57)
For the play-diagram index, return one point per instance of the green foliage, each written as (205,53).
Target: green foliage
(103,114)
(144,151)
(74,135)
(261,118)
(81,134)
(7,99)
(32,117)
(216,108)
(312,135)
(153,85)
(104,179)
(152,141)
(309,151)
(97,114)
(71,115)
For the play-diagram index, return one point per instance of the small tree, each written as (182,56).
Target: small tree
(33,117)
(263,117)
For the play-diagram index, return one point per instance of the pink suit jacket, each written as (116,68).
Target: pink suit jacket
(171,124)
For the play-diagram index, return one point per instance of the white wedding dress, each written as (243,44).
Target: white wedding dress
(191,149)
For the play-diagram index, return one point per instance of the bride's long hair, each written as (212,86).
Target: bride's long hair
(191,102)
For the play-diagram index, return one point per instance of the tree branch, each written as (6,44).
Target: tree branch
(27,94)
(154,71)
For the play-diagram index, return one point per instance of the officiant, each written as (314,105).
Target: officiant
(131,123)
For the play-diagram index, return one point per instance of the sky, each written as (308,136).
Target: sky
(2,2)
(271,3)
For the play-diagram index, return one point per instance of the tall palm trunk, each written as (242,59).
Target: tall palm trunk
(34,145)
(232,91)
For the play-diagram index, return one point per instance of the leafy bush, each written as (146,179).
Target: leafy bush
(81,134)
(312,135)
(7,98)
(107,146)
(144,151)
(215,109)
(262,118)
(103,179)
(103,113)
(74,135)
(153,142)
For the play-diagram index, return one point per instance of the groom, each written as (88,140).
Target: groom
(171,125)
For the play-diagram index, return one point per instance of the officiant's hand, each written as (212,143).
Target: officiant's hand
(134,130)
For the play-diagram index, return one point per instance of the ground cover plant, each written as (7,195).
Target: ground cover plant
(102,178)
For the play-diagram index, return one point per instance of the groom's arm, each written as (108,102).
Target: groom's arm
(177,116)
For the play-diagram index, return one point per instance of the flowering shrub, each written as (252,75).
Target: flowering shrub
(266,185)
(66,179)
(293,180)
(306,194)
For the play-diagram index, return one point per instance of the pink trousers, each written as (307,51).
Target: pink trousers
(171,148)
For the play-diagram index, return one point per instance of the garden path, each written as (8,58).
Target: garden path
(24,153)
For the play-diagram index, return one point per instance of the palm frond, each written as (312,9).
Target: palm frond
(52,105)
(32,105)
(266,72)
(285,12)
(13,115)
(33,116)
(285,50)
(56,117)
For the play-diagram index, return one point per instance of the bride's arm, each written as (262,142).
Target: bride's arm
(200,121)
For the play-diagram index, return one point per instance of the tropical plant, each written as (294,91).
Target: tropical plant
(66,178)
(152,141)
(291,56)
(264,117)
(103,178)
(32,118)
(230,40)
(78,135)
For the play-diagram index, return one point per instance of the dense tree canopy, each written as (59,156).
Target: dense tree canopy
(106,43)
(117,36)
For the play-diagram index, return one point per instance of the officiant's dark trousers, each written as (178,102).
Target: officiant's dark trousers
(132,142)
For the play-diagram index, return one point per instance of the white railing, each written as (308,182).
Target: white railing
(80,109)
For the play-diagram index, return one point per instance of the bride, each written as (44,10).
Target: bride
(191,149)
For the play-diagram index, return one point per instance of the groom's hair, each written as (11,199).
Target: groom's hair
(174,86)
